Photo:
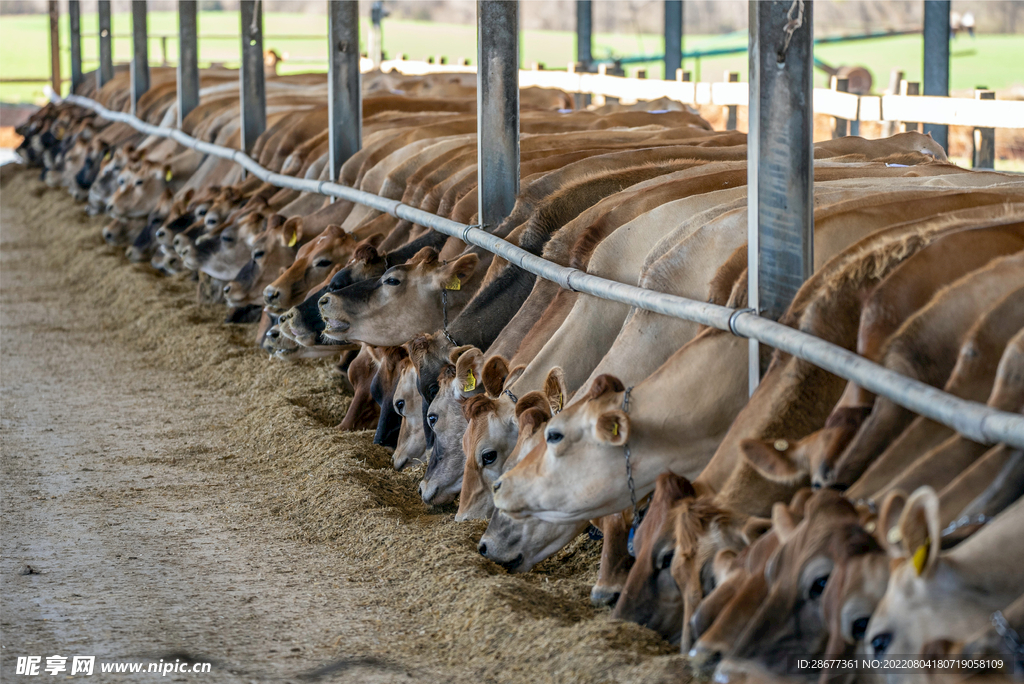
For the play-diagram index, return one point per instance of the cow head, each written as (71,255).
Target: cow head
(332,249)
(651,596)
(791,619)
(408,404)
(458,381)
(576,473)
(405,301)
(140,190)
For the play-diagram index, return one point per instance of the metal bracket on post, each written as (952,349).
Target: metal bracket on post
(673,38)
(188,59)
(251,85)
(106,69)
(936,60)
(75,26)
(497,104)
(377,14)
(55,80)
(344,102)
(140,52)
(780,171)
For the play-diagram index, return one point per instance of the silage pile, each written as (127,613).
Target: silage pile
(455,608)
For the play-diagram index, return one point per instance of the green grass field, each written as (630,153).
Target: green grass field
(991,61)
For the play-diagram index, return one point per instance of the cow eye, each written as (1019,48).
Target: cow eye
(226,238)
(322,263)
(201,212)
(400,405)
(432,420)
(393,282)
(860,628)
(817,587)
(880,643)
(666,560)
(138,182)
(554,437)
(258,254)
(489,457)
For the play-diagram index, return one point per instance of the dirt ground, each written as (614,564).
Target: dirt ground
(170,494)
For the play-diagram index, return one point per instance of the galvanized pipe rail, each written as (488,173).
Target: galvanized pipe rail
(975,421)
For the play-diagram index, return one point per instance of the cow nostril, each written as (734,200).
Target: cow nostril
(274,334)
(482,548)
(323,301)
(496,486)
(227,288)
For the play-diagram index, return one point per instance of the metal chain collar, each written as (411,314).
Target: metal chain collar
(514,398)
(964,521)
(629,480)
(1008,633)
(444,315)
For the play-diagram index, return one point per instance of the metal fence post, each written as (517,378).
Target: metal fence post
(251,85)
(344,97)
(106,70)
(140,52)
(673,38)
(55,47)
(188,59)
(936,60)
(840,128)
(731,110)
(780,196)
(584,34)
(984,156)
(497,104)
(75,26)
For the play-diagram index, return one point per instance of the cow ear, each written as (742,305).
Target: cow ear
(783,522)
(773,460)
(921,530)
(754,528)
(453,275)
(555,390)
(494,373)
(468,372)
(612,427)
(532,400)
(189,194)
(292,231)
(531,420)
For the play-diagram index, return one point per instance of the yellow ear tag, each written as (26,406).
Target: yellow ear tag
(106,156)
(168,176)
(470,382)
(560,407)
(615,429)
(453,284)
(921,556)
(295,239)
(781,445)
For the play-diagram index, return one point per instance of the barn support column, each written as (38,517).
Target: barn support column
(673,38)
(106,70)
(252,87)
(75,26)
(780,196)
(188,59)
(55,47)
(497,103)
(936,60)
(140,52)
(344,95)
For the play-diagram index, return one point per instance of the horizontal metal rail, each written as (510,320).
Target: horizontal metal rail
(973,420)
